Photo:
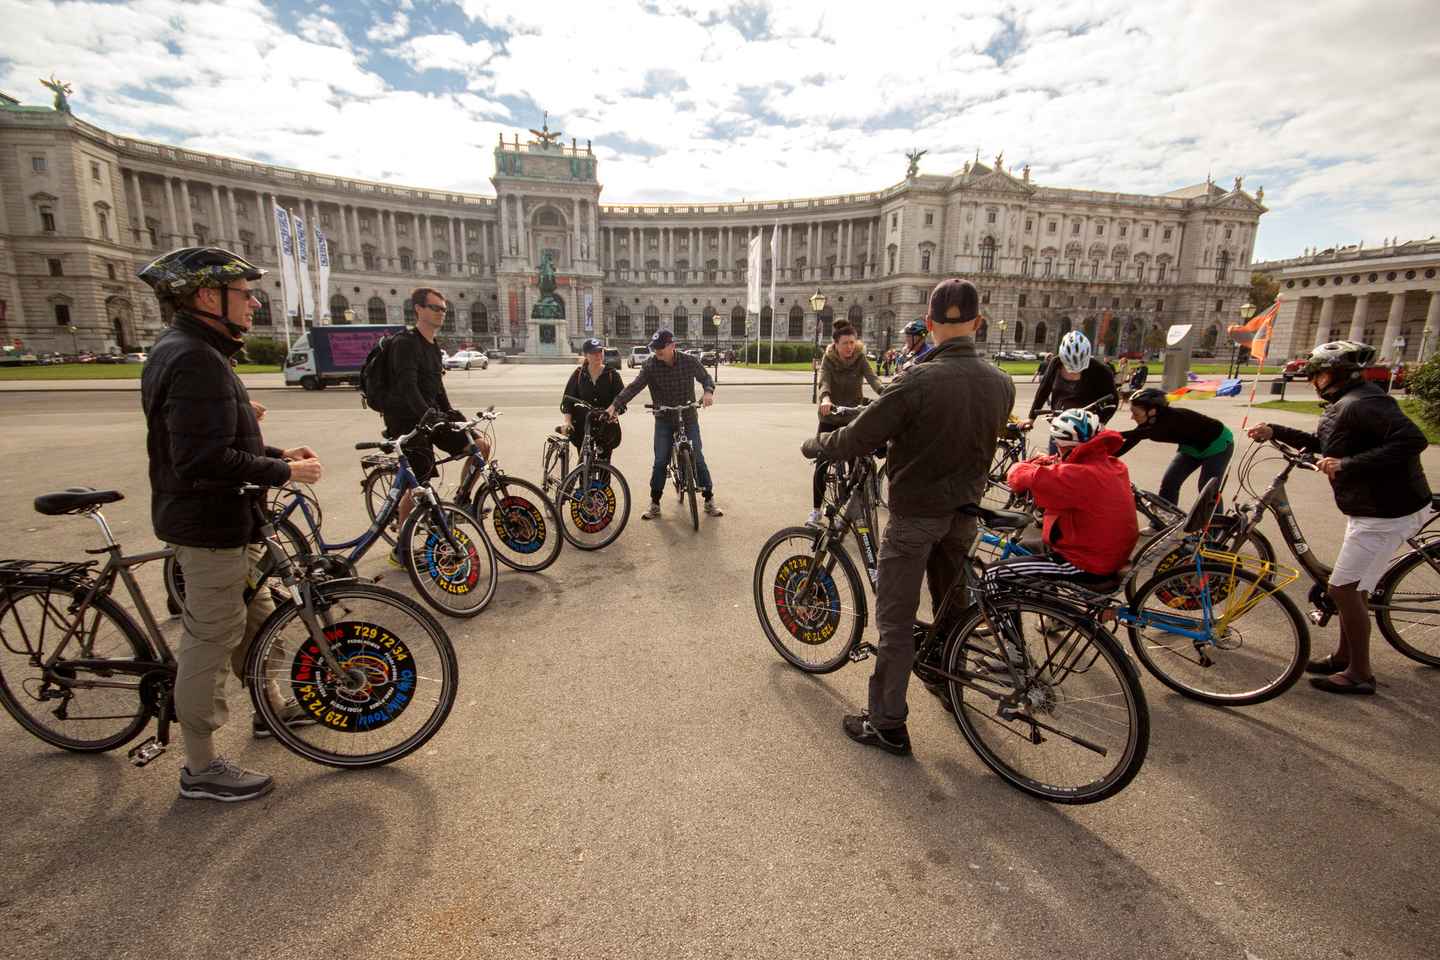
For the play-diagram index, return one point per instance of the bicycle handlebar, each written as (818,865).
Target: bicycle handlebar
(691,405)
(1303,459)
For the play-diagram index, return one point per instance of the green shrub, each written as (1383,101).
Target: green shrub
(264,350)
(1424,386)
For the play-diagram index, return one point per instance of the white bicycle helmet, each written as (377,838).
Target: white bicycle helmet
(1073,427)
(1075,351)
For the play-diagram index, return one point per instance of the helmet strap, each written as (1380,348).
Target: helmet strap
(223,317)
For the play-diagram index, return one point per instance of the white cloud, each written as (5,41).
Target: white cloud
(797,98)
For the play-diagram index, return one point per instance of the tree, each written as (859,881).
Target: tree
(1155,338)
(1263,290)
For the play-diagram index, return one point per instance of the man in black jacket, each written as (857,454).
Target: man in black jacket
(204,440)
(940,422)
(417,386)
(1370,450)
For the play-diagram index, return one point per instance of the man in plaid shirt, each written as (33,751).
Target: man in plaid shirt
(671,377)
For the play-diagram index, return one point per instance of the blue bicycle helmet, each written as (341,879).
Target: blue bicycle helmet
(916,328)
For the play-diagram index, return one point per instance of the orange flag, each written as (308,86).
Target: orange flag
(1257,332)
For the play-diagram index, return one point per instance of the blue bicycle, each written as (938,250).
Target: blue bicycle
(441,545)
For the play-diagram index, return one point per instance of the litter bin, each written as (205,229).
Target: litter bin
(1277,387)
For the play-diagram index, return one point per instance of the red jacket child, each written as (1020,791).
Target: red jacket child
(1089,506)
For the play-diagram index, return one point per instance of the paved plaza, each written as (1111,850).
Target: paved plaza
(631,771)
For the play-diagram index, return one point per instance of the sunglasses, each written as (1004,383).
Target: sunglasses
(438,307)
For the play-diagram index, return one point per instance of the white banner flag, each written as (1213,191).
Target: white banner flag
(774,263)
(752,300)
(289,285)
(322,264)
(302,269)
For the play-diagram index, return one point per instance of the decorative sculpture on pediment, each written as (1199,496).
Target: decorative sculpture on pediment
(60,89)
(966,169)
(914,157)
(546,138)
(1000,161)
(1239,181)
(1260,195)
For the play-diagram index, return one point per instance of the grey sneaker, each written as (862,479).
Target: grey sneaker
(224,780)
(653,512)
(711,510)
(816,519)
(291,713)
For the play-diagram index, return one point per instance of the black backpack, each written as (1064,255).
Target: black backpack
(375,374)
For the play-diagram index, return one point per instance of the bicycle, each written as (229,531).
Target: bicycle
(521,515)
(1214,658)
(1409,587)
(1057,711)
(443,548)
(374,670)
(879,490)
(681,466)
(594,497)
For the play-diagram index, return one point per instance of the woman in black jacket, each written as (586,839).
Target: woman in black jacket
(1370,450)
(598,385)
(1205,443)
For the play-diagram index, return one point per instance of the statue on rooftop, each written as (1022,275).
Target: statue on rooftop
(546,138)
(60,89)
(914,157)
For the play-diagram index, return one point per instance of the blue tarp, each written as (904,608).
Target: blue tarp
(1228,388)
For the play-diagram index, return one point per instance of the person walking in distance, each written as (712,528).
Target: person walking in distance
(595,384)
(844,371)
(203,440)
(1370,451)
(671,377)
(417,386)
(939,424)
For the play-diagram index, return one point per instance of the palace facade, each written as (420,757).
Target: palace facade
(84,208)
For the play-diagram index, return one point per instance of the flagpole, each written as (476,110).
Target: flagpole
(1255,384)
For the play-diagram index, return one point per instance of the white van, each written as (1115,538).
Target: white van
(638,355)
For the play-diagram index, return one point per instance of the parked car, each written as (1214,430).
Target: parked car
(465,359)
(110,358)
(1377,373)
(612,358)
(638,355)
(137,356)
(709,358)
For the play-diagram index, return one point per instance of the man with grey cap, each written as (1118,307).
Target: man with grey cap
(939,423)
(671,377)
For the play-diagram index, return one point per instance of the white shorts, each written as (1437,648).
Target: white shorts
(1369,544)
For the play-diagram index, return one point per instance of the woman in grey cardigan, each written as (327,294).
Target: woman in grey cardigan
(844,371)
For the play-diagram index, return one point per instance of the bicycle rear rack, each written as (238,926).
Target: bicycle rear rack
(42,573)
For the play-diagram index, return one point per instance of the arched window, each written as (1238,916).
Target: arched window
(1040,340)
(652,319)
(987,255)
(408,311)
(622,321)
(797,322)
(737,321)
(681,318)
(708,326)
(261,317)
(767,323)
(375,310)
(856,316)
(479,318)
(1019,333)
(826,319)
(338,306)
(449,317)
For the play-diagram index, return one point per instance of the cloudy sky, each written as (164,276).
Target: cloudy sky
(1330,105)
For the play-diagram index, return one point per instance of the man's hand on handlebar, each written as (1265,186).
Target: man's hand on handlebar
(825,407)
(1262,432)
(1025,424)
(299,453)
(307,470)
(1328,466)
(811,448)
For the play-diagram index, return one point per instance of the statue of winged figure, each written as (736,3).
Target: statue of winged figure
(914,157)
(544,135)
(60,89)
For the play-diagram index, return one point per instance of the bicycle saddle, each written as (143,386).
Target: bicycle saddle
(74,499)
(998,519)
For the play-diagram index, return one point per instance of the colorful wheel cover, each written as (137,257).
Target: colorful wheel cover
(519,524)
(595,510)
(455,573)
(1189,597)
(377,684)
(817,621)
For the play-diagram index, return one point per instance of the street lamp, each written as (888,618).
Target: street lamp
(74,338)
(817,305)
(1001,324)
(1246,312)
(349,317)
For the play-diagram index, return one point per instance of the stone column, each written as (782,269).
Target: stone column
(394,255)
(136,200)
(352,227)
(1432,326)
(522,230)
(1327,319)
(812,252)
(503,249)
(1357,322)
(575,229)
(1392,327)
(234,216)
(874,262)
(460,229)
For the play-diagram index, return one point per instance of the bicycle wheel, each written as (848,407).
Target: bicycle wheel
(1076,728)
(63,709)
(294,543)
(593,509)
(1255,645)
(1407,607)
(525,524)
(687,477)
(376,487)
(458,580)
(397,686)
(816,633)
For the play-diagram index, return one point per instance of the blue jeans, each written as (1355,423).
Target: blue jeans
(665,445)
(1184,465)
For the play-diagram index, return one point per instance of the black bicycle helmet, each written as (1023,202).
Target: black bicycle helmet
(916,328)
(1150,397)
(178,274)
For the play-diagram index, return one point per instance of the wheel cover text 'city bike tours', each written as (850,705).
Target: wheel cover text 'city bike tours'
(813,623)
(519,525)
(454,573)
(363,650)
(593,512)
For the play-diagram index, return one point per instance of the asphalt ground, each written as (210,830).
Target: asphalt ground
(631,770)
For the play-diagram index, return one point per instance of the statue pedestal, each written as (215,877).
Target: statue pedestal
(547,338)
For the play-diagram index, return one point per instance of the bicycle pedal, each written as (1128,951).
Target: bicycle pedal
(1319,617)
(145,751)
(861,651)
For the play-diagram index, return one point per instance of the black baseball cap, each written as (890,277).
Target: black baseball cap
(662,338)
(954,292)
(593,345)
